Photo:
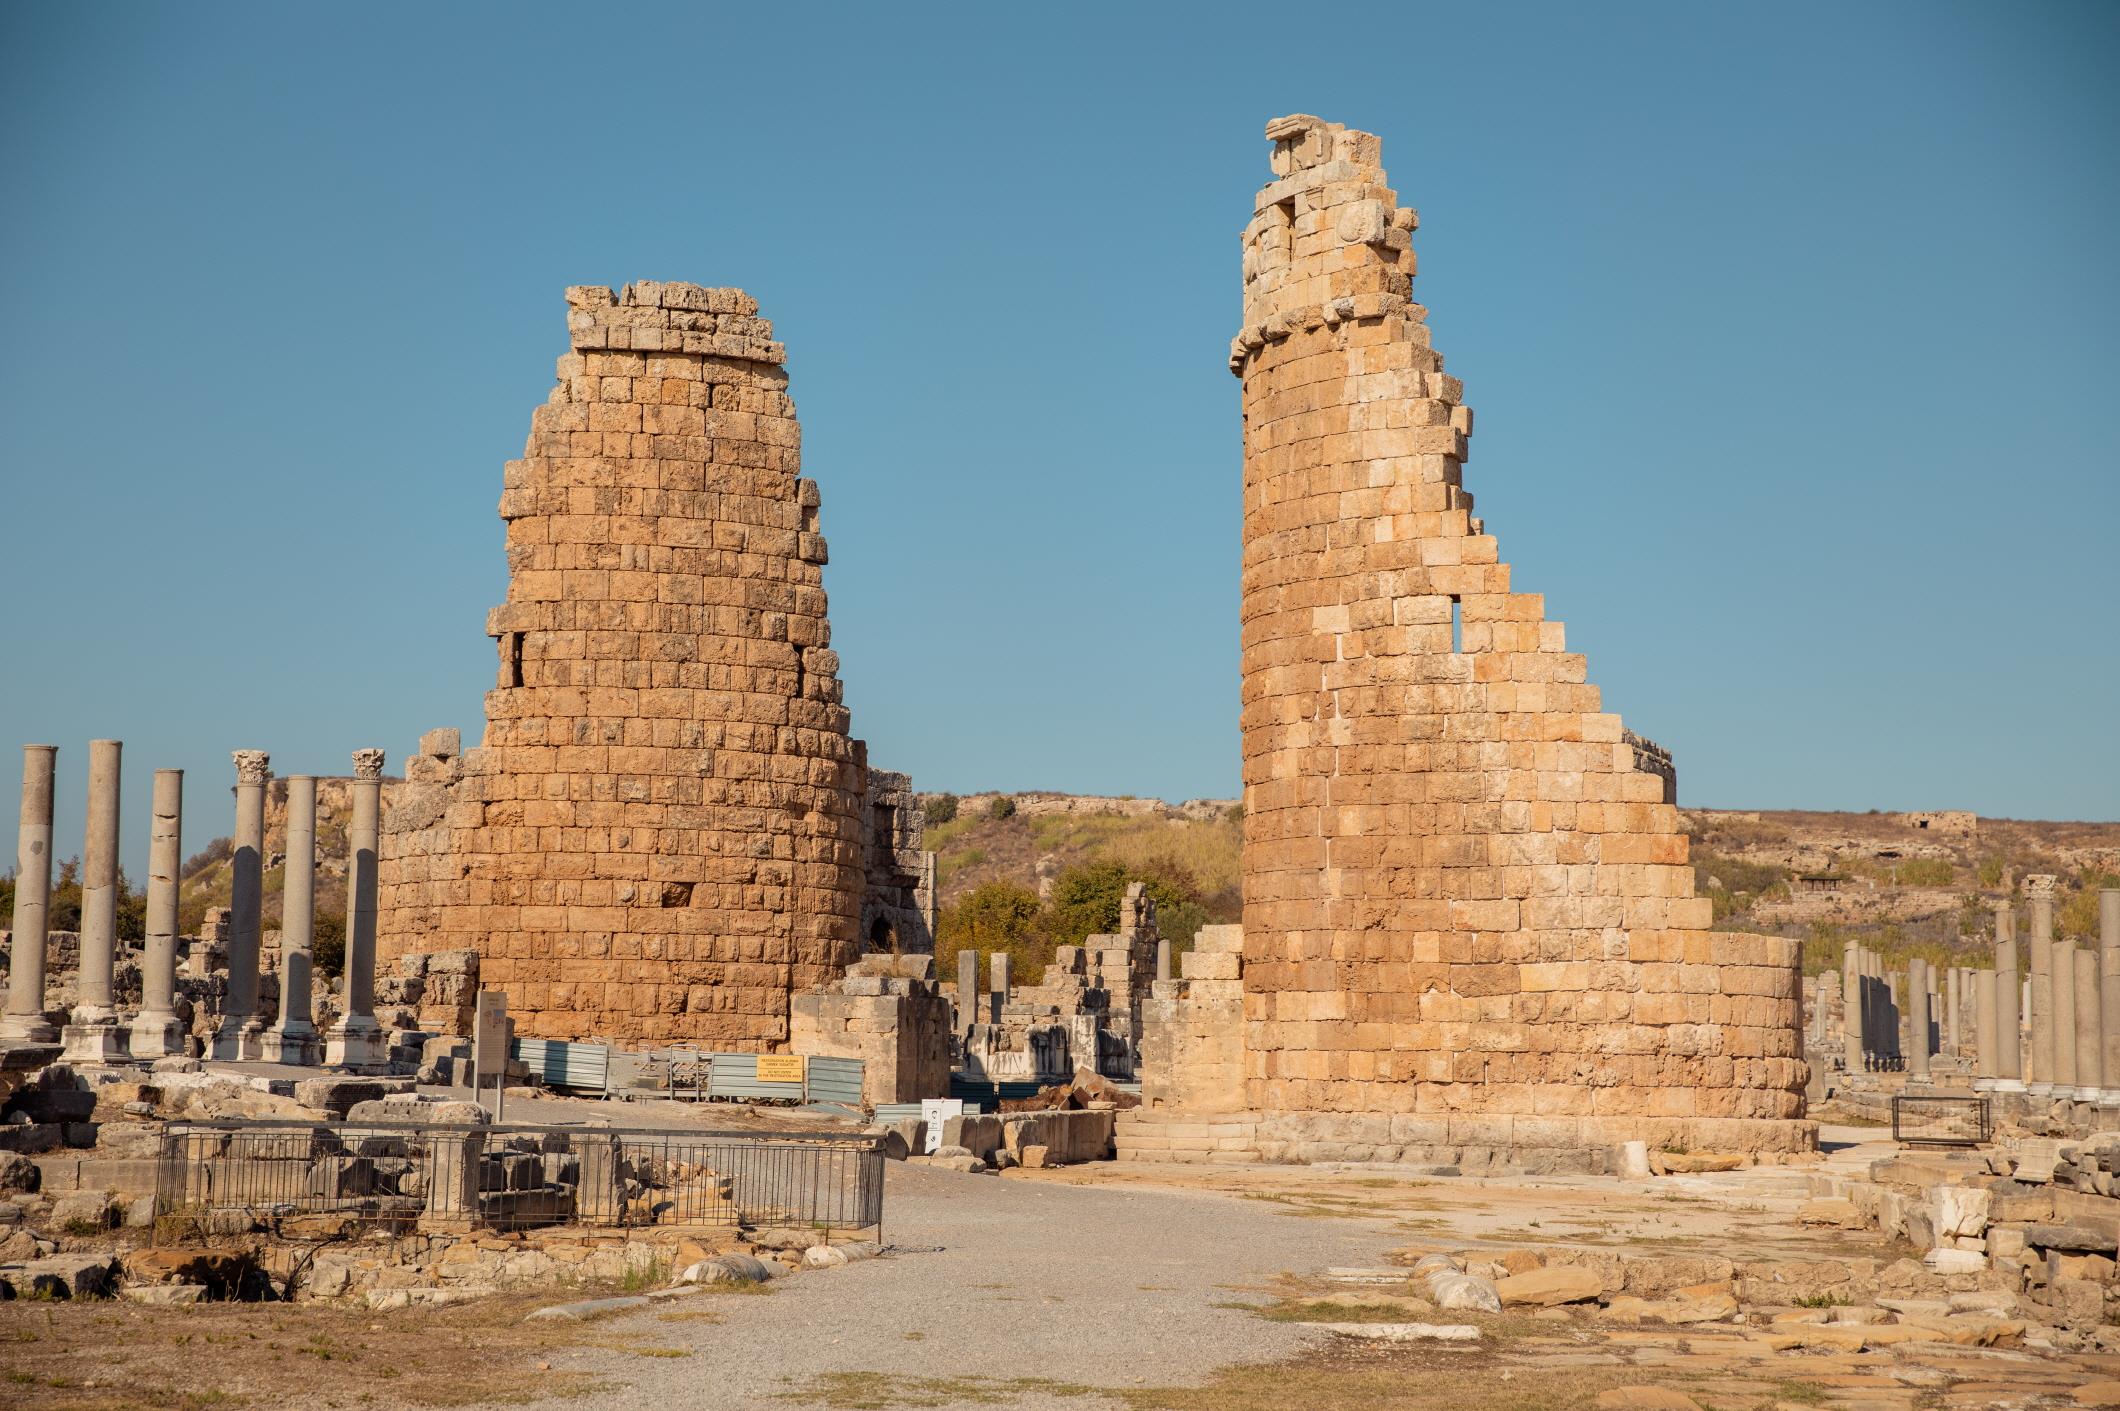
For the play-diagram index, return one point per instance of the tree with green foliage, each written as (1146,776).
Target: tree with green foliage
(1002,807)
(942,808)
(327,944)
(994,916)
(1086,901)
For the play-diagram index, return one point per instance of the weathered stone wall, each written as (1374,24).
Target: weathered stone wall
(1466,888)
(1192,1042)
(898,905)
(888,1013)
(660,837)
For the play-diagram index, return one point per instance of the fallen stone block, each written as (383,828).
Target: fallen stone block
(1544,1288)
(588,1308)
(63,1276)
(2073,1238)
(1464,1291)
(164,1295)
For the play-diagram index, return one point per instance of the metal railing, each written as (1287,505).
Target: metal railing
(1941,1121)
(233,1177)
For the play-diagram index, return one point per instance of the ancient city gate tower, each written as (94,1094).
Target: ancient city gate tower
(1466,891)
(662,836)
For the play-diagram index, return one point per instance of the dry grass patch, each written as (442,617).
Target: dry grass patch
(83,1356)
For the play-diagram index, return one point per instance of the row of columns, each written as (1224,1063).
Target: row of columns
(2051,1025)
(94,1033)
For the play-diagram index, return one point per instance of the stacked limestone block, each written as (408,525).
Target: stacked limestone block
(1192,1050)
(660,837)
(889,1013)
(1466,889)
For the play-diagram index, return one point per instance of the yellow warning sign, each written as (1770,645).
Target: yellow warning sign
(780,1067)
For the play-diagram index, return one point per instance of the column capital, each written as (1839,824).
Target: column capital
(252,766)
(368,764)
(2040,884)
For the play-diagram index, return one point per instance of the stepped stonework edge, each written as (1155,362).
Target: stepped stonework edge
(1469,922)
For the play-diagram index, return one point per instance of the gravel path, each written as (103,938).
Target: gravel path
(1092,1286)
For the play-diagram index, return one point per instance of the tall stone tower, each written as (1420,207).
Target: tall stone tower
(660,837)
(1466,890)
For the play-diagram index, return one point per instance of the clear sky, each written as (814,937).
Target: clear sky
(1790,331)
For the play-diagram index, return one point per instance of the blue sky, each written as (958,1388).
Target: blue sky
(1789,331)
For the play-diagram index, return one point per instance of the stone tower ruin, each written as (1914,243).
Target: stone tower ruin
(1469,918)
(662,834)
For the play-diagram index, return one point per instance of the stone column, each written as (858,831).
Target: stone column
(967,989)
(2041,891)
(2090,1027)
(2062,961)
(1917,992)
(357,1041)
(157,1032)
(1851,997)
(2109,991)
(1953,1003)
(1984,1031)
(999,964)
(2009,1010)
(293,1037)
(95,1035)
(24,1022)
(1163,958)
(242,1032)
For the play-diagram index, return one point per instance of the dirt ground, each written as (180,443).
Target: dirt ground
(1068,1289)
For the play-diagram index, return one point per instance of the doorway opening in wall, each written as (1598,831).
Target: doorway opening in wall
(882,939)
(1457,625)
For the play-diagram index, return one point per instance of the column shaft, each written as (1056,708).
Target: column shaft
(1851,1006)
(293,1038)
(2009,999)
(357,1041)
(2109,987)
(1917,992)
(2042,971)
(1985,1066)
(156,1032)
(2090,1028)
(24,1022)
(1953,1005)
(99,885)
(241,1029)
(94,1035)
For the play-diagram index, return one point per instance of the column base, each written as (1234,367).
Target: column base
(159,1036)
(93,1043)
(360,1044)
(2008,1085)
(293,1047)
(27,1029)
(2039,1089)
(231,1039)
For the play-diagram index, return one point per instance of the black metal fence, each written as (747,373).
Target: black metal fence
(1941,1121)
(229,1177)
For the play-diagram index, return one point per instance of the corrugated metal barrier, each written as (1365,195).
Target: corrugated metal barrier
(687,1073)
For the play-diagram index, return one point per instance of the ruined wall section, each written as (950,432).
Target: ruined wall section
(1466,888)
(660,835)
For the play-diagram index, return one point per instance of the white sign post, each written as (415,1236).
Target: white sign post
(934,1111)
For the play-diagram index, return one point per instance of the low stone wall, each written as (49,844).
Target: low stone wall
(1472,1143)
(1034,1138)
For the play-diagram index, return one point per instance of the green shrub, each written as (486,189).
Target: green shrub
(940,809)
(327,946)
(1990,871)
(1003,807)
